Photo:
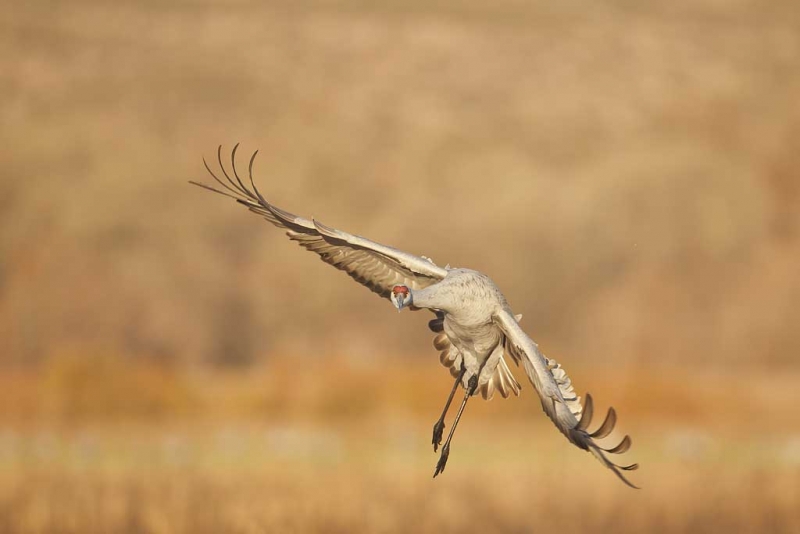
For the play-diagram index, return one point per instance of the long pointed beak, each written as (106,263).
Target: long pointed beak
(399,305)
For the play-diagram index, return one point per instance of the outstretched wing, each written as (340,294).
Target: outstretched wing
(558,397)
(371,264)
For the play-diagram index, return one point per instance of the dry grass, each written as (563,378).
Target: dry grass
(336,500)
(375,477)
(347,450)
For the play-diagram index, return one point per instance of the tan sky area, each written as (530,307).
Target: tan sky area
(628,178)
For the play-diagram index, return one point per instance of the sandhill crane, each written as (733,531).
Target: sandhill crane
(474,325)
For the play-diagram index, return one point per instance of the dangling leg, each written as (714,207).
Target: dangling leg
(438,428)
(473,385)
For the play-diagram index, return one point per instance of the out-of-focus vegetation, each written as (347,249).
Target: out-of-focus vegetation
(326,478)
(627,173)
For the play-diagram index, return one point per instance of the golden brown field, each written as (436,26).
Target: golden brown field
(626,172)
(315,459)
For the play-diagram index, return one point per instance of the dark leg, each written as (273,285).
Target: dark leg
(473,385)
(438,428)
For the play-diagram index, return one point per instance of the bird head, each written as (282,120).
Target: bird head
(401,297)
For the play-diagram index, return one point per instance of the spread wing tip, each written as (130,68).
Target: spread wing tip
(230,184)
(581,436)
(231,187)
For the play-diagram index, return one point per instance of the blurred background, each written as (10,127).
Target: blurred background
(625,171)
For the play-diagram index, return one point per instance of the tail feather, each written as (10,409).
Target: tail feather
(502,380)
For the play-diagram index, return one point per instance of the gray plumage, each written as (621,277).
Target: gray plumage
(475,326)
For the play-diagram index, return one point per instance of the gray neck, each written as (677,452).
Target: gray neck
(429,297)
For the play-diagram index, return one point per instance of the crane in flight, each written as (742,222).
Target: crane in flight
(474,325)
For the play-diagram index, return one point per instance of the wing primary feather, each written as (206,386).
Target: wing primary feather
(250,166)
(623,446)
(588,411)
(607,426)
(217,191)
(264,202)
(233,166)
(283,216)
(219,181)
(222,167)
(617,469)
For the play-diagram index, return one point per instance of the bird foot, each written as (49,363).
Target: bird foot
(472,384)
(438,431)
(442,460)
